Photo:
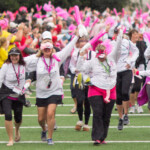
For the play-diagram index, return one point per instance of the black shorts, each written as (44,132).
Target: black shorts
(124,79)
(137,85)
(54,99)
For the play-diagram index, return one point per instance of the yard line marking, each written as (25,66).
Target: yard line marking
(60,105)
(72,115)
(67,97)
(73,142)
(72,127)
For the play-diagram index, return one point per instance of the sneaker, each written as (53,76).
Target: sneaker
(132,110)
(120,124)
(97,142)
(50,142)
(79,125)
(140,109)
(43,136)
(125,120)
(86,128)
(27,103)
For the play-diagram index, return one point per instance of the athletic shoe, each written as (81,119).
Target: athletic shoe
(50,142)
(86,128)
(125,120)
(132,110)
(140,109)
(79,125)
(43,136)
(97,142)
(27,103)
(120,124)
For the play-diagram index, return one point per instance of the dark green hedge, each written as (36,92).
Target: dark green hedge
(100,5)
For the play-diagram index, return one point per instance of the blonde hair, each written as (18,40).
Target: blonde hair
(40,53)
(2,41)
(100,47)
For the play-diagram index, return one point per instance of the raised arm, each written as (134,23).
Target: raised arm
(31,63)
(65,52)
(135,53)
(116,51)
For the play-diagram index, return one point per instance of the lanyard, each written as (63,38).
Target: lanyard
(48,68)
(106,68)
(17,74)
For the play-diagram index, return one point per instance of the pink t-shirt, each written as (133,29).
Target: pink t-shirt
(95,91)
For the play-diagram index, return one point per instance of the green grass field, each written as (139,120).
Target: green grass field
(135,136)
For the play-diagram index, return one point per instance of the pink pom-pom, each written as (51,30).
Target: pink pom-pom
(123,12)
(97,37)
(63,14)
(110,21)
(38,8)
(77,14)
(115,11)
(37,15)
(47,7)
(108,45)
(144,16)
(23,8)
(96,20)
(4,23)
(148,5)
(72,27)
(87,22)
(11,15)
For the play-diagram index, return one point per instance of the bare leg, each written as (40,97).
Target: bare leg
(51,119)
(9,129)
(17,132)
(125,107)
(120,111)
(42,117)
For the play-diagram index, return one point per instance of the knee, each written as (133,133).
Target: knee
(8,117)
(41,119)
(18,119)
(125,95)
(51,115)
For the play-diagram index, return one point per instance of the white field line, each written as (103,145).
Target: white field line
(73,142)
(74,115)
(65,105)
(72,127)
(67,97)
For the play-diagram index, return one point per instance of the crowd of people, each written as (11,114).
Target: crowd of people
(105,54)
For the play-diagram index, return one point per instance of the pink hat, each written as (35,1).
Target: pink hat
(4,23)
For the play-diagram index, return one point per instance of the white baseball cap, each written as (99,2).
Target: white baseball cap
(46,35)
(13,25)
(51,24)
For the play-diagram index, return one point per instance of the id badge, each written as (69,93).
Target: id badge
(17,90)
(49,84)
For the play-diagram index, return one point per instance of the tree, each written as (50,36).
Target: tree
(100,5)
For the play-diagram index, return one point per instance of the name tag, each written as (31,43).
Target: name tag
(17,90)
